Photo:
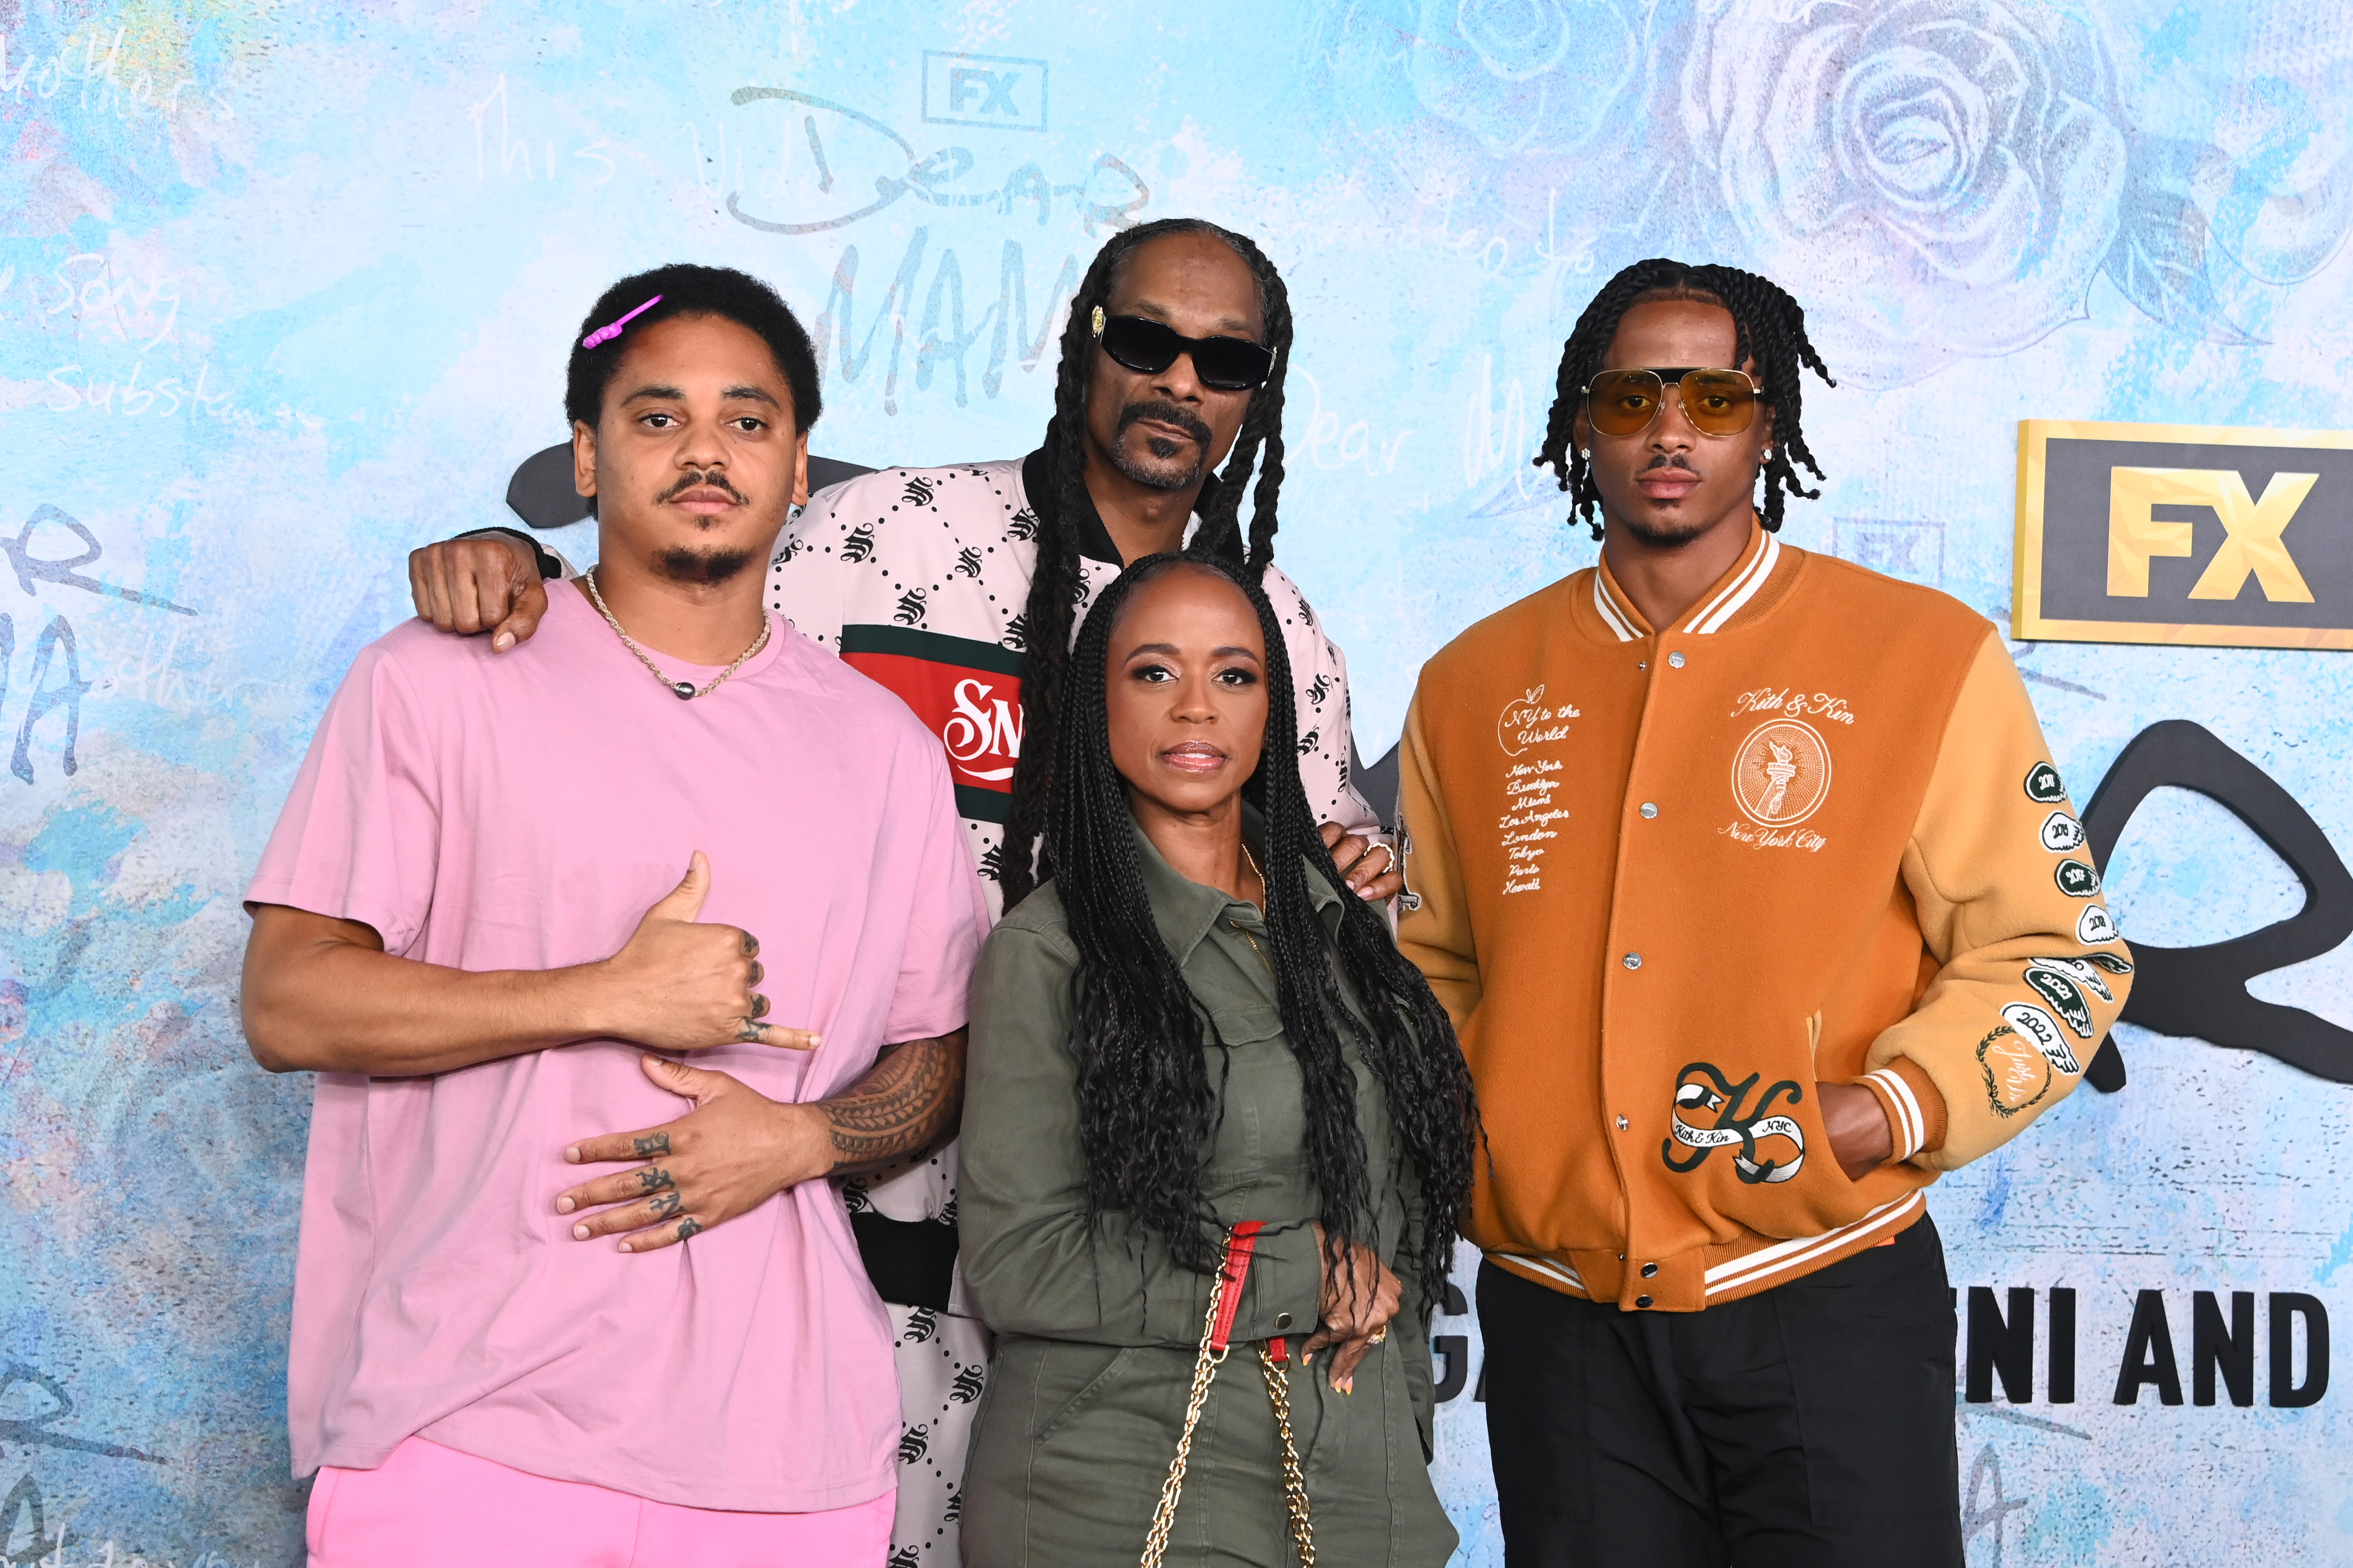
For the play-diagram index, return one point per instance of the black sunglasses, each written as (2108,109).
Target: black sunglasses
(1149,347)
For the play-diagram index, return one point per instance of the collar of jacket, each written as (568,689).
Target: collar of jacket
(1745,592)
(1184,910)
(1095,539)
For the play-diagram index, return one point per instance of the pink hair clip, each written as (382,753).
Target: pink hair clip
(605,334)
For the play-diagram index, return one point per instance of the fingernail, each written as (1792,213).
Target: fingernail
(579,1233)
(623,1247)
(503,641)
(564,1205)
(1349,1387)
(572,1155)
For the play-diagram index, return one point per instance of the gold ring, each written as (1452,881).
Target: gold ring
(1377,1335)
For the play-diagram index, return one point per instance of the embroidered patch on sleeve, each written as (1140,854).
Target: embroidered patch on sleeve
(2076,880)
(2016,1075)
(2062,833)
(2041,1030)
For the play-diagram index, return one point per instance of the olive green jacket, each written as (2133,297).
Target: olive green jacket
(1098,1327)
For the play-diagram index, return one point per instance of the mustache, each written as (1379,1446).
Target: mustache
(1670,460)
(716,477)
(1184,419)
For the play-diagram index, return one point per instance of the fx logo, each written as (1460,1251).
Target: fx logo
(983,89)
(2172,534)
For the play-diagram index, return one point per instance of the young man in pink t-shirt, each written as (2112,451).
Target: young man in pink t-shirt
(471,924)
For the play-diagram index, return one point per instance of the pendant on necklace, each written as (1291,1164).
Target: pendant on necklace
(685,688)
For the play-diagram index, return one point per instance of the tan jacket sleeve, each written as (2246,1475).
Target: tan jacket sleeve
(2032,974)
(1434,922)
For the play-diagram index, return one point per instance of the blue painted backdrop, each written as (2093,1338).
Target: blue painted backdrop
(285,290)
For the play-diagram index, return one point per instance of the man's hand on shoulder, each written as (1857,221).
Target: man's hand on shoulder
(486,583)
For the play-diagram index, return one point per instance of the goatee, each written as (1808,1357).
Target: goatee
(680,564)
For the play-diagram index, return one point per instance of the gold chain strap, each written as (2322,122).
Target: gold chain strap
(1205,1369)
(1278,1390)
(1294,1482)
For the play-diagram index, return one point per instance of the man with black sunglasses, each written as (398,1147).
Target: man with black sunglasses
(1749,884)
(960,588)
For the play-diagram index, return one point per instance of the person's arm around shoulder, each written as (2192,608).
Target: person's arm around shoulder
(1361,846)
(1434,929)
(2032,974)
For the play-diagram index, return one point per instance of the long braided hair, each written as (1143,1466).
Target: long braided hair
(1146,1108)
(1772,330)
(1058,583)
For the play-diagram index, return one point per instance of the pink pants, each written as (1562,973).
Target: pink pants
(431,1504)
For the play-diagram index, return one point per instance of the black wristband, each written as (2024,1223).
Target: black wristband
(549,566)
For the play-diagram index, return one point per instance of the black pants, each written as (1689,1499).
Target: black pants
(1809,1426)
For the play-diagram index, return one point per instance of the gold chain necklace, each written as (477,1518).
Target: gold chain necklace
(685,690)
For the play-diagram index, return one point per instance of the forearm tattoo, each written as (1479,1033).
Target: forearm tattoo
(912,1097)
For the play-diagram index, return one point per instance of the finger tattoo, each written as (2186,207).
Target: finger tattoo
(759,1007)
(751,945)
(759,972)
(665,1205)
(686,1227)
(653,1179)
(749,1034)
(652,1143)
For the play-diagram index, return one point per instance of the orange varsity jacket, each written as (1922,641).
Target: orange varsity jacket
(1667,882)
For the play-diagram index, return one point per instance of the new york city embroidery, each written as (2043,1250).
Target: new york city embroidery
(1529,786)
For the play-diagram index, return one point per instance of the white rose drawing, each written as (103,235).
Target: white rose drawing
(1523,75)
(1934,178)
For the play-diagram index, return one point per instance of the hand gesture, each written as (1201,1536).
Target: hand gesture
(1360,1297)
(679,985)
(487,582)
(732,1153)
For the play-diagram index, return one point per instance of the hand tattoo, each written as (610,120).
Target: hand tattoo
(651,1144)
(665,1205)
(749,1034)
(686,1227)
(653,1179)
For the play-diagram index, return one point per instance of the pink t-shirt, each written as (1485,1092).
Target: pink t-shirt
(521,811)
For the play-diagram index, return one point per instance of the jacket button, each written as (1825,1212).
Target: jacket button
(1650,1271)
(1634,961)
(1650,809)
(1621,1127)
(1641,664)
(1642,1301)
(1282,1320)
(1676,660)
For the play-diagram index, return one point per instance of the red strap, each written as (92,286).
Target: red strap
(1236,1268)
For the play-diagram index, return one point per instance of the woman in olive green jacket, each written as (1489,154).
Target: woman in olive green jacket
(1195,1024)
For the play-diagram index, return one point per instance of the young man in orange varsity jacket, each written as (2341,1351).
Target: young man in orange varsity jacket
(1749,883)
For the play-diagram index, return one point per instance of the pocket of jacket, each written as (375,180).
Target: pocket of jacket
(1749,1138)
